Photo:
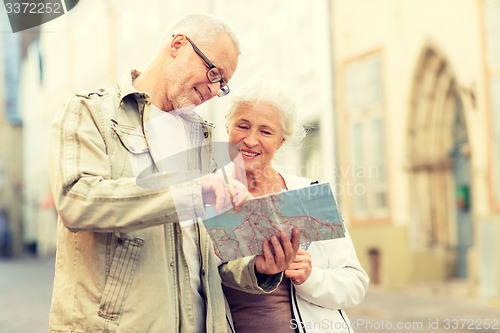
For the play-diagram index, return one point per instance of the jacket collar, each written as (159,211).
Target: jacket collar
(125,88)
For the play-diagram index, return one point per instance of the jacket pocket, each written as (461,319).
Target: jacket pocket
(130,137)
(120,277)
(131,150)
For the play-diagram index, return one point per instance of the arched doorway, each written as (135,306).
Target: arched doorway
(439,166)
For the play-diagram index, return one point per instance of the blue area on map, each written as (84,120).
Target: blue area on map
(315,198)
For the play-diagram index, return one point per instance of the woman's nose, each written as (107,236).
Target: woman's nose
(251,140)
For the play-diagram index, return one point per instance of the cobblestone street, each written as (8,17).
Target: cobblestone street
(26,286)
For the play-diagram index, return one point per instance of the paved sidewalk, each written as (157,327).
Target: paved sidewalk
(26,289)
(422,311)
(25,293)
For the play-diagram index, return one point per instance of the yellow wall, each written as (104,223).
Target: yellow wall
(391,242)
(400,266)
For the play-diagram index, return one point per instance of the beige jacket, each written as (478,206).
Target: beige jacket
(119,265)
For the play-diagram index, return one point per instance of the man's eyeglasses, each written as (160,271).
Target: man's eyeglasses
(213,73)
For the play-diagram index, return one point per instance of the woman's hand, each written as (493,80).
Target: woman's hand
(300,269)
(284,253)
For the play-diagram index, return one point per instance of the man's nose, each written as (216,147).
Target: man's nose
(214,88)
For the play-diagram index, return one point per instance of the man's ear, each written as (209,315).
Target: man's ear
(175,44)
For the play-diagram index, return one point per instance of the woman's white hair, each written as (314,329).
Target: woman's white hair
(202,28)
(268,91)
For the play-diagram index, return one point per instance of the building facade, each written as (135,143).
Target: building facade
(11,178)
(418,111)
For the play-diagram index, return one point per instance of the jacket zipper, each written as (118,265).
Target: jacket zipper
(296,312)
(345,321)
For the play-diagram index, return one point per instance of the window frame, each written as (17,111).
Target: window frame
(367,110)
(492,70)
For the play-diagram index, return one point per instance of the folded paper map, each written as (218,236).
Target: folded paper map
(240,233)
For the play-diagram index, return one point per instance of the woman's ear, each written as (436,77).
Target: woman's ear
(281,143)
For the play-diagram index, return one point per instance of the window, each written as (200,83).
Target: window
(492,28)
(365,174)
(495,111)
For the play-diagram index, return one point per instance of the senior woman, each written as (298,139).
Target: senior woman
(323,280)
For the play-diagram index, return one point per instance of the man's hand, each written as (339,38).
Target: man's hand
(300,269)
(217,192)
(284,253)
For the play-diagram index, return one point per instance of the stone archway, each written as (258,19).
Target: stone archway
(432,145)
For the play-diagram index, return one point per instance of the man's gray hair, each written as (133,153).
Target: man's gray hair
(201,28)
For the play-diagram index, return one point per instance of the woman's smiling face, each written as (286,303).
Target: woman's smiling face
(257,130)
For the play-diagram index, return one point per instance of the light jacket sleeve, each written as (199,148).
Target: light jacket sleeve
(240,274)
(86,196)
(337,280)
